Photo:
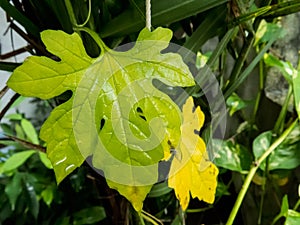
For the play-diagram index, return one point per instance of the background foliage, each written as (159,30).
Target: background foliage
(238,40)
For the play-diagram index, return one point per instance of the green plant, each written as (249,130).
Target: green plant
(258,159)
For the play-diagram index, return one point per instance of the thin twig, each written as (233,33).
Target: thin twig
(26,144)
(3,91)
(16,52)
(29,40)
(8,105)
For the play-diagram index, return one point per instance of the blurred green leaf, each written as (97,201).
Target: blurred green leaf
(163,12)
(16,160)
(222,189)
(30,131)
(13,189)
(286,68)
(19,132)
(159,190)
(32,198)
(7,129)
(15,116)
(265,32)
(45,160)
(5,209)
(293,218)
(18,101)
(177,221)
(47,195)
(284,206)
(202,59)
(235,103)
(63,220)
(284,209)
(89,215)
(231,155)
(285,156)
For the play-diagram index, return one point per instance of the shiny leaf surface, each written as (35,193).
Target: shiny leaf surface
(115,113)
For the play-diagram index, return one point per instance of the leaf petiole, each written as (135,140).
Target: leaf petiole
(95,37)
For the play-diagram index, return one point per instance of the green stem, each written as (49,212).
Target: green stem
(280,121)
(141,218)
(71,12)
(297,205)
(236,83)
(276,219)
(261,88)
(261,204)
(95,37)
(221,46)
(182,216)
(253,170)
(198,210)
(150,218)
(242,58)
(88,16)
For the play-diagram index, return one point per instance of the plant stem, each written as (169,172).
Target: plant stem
(236,83)
(182,216)
(88,16)
(261,88)
(95,37)
(141,218)
(8,105)
(71,12)
(261,204)
(280,121)
(253,170)
(297,205)
(198,210)
(149,218)
(242,58)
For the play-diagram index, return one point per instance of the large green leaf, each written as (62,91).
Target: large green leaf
(231,155)
(115,114)
(285,156)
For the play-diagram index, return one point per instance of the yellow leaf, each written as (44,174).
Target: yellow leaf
(191,171)
(135,194)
